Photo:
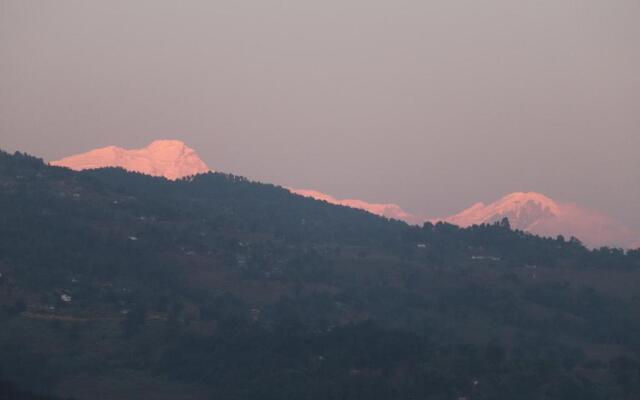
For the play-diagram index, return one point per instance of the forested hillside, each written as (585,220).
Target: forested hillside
(215,286)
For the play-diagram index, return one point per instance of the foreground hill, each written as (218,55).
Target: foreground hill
(117,285)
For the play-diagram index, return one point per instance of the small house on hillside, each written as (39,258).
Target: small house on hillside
(489,258)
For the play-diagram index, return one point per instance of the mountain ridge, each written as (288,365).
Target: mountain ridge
(388,210)
(528,211)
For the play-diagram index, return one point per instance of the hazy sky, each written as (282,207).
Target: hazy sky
(430,104)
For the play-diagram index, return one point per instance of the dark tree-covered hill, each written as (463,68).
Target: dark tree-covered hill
(116,285)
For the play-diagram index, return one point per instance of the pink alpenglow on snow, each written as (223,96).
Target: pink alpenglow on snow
(393,211)
(537,213)
(171,159)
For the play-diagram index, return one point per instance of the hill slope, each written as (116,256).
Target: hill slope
(216,286)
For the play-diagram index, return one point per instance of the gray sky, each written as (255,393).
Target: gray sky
(430,104)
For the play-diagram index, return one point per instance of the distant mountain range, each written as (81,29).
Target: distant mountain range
(530,211)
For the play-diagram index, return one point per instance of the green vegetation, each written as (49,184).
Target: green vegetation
(234,289)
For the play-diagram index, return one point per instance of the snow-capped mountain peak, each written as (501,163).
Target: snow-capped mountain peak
(539,214)
(518,200)
(522,208)
(169,158)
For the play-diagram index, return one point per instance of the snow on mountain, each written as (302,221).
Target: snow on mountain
(385,210)
(522,209)
(171,159)
(537,213)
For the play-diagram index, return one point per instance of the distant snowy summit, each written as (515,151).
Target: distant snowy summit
(537,213)
(171,159)
(524,210)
